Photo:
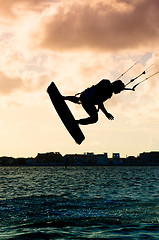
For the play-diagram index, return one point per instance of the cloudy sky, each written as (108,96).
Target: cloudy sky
(76,44)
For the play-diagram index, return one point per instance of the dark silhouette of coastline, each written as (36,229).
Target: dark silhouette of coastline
(86,159)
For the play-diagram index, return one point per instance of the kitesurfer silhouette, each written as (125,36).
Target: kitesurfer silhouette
(96,95)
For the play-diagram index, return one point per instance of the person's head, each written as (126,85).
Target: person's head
(118,86)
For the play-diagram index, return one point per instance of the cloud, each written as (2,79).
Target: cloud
(28,82)
(11,9)
(9,84)
(99,25)
(68,25)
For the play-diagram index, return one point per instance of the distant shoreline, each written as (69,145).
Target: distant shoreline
(87,159)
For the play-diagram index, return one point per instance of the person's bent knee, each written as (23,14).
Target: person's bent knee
(89,120)
(94,119)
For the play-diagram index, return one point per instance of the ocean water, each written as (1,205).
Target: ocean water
(79,203)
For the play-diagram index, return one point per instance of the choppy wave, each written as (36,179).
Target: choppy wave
(79,203)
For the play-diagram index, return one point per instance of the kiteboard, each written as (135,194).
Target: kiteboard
(65,114)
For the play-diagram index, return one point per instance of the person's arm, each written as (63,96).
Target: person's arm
(108,115)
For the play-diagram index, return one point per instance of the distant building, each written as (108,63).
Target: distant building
(43,159)
(89,154)
(74,159)
(131,161)
(116,159)
(86,159)
(149,158)
(102,159)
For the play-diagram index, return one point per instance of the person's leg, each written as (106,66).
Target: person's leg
(92,111)
(72,99)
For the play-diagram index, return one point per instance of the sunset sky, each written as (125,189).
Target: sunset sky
(76,44)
